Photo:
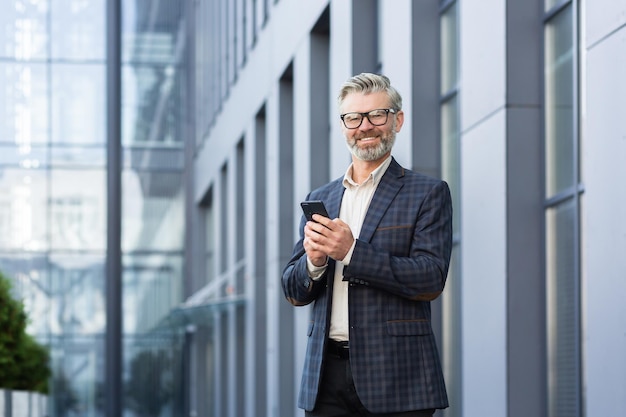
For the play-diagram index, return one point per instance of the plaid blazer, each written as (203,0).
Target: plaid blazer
(399,264)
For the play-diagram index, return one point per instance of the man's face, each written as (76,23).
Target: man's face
(369,142)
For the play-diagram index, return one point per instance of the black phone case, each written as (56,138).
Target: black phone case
(313,207)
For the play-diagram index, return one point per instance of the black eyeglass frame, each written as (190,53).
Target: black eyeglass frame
(367,114)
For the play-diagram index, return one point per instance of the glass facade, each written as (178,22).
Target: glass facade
(562,211)
(53,190)
(52,175)
(451,173)
(153,213)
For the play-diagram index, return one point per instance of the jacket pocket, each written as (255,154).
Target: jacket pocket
(409,327)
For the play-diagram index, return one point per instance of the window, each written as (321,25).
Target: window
(450,167)
(562,204)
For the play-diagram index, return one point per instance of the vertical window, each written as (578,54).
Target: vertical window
(209,241)
(153,204)
(53,189)
(450,167)
(320,97)
(240,223)
(224,218)
(562,209)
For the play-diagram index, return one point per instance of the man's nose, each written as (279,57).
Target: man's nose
(366,124)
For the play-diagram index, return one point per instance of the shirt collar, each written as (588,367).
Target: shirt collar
(375,175)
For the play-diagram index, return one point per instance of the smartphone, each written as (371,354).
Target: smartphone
(313,207)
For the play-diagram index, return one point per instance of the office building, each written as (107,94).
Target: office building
(227,117)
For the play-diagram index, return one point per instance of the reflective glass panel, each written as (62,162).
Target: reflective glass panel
(16,156)
(152,31)
(153,377)
(549,4)
(78,104)
(153,211)
(451,333)
(450,170)
(77,291)
(78,370)
(209,244)
(449,49)
(78,29)
(450,158)
(23,209)
(24,29)
(559,103)
(562,311)
(24,104)
(78,209)
(78,157)
(29,275)
(152,288)
(77,323)
(151,105)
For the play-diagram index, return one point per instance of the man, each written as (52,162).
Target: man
(371,271)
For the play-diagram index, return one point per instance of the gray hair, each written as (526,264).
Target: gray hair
(366,83)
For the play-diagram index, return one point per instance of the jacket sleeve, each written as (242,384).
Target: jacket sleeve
(298,287)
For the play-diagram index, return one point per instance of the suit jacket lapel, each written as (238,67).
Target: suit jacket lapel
(334,199)
(389,186)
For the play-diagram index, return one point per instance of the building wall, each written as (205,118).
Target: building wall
(278,110)
(603,46)
(483,116)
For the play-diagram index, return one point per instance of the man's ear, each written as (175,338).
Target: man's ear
(399,120)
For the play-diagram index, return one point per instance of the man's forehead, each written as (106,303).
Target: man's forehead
(357,100)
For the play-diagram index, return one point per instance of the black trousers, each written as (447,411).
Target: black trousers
(338,398)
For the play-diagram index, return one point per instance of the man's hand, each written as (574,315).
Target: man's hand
(325,237)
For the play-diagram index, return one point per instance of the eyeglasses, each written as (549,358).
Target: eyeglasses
(376,117)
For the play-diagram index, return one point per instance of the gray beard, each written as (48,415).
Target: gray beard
(373,153)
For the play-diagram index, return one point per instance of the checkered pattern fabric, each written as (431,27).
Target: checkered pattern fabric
(400,263)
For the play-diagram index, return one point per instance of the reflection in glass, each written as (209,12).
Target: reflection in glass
(562,310)
(153,31)
(78,157)
(152,287)
(15,156)
(23,209)
(152,349)
(78,209)
(154,371)
(76,317)
(23,29)
(209,243)
(549,4)
(76,288)
(451,173)
(559,103)
(29,273)
(449,49)
(451,333)
(24,117)
(151,105)
(77,383)
(152,206)
(78,29)
(562,240)
(78,104)
(152,211)
(450,149)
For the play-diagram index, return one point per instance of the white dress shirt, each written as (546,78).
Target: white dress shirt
(354,204)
